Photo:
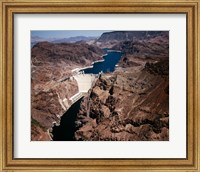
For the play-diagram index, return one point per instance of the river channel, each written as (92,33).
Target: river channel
(65,131)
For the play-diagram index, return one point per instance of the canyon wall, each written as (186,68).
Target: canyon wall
(131,104)
(110,39)
(52,82)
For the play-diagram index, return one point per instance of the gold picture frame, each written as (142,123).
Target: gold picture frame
(10,7)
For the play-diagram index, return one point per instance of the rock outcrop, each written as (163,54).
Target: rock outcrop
(110,39)
(127,106)
(52,83)
(131,104)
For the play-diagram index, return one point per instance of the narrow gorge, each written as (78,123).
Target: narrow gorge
(113,88)
(86,79)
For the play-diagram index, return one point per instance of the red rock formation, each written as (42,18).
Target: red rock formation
(110,39)
(126,106)
(133,102)
(52,84)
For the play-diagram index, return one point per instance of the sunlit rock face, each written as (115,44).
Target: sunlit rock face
(133,102)
(52,83)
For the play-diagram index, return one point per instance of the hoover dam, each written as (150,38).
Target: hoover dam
(85,82)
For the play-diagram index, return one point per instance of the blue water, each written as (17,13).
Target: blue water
(108,65)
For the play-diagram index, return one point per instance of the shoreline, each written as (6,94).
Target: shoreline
(97,61)
(117,51)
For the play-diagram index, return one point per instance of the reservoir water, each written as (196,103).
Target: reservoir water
(108,65)
(65,131)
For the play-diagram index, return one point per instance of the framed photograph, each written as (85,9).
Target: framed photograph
(99,85)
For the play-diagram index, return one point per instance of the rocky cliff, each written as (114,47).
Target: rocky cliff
(52,83)
(109,39)
(127,106)
(133,102)
(127,35)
